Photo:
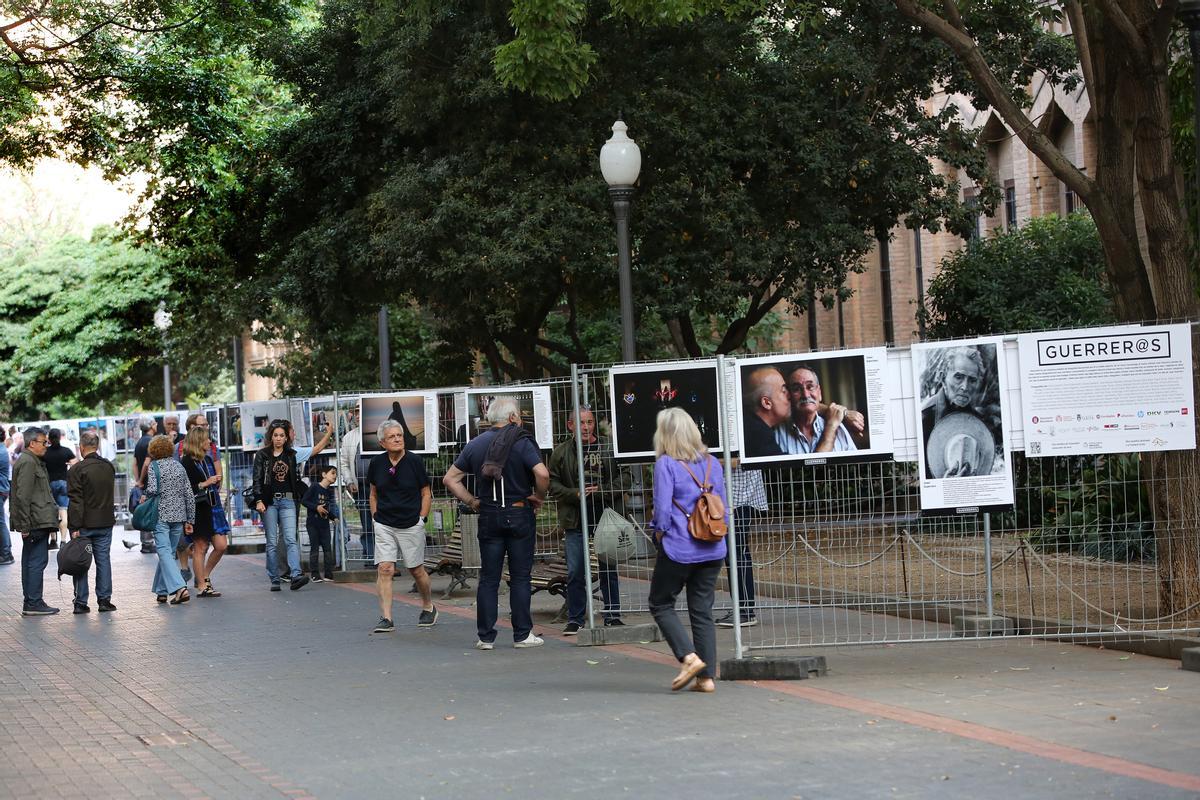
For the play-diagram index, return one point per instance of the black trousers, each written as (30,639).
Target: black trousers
(320,539)
(669,579)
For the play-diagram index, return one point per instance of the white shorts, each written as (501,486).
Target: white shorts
(404,546)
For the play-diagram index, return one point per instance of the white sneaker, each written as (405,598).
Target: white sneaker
(530,641)
(482,645)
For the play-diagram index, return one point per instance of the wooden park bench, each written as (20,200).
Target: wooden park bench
(449,561)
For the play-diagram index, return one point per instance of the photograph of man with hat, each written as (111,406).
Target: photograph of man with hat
(960,421)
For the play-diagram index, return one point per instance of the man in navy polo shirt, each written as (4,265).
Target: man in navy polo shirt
(512,482)
(400,499)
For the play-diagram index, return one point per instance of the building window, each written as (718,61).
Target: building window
(1068,200)
(971,201)
(1010,206)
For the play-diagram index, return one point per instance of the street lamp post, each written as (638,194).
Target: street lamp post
(162,321)
(621,161)
(1189,12)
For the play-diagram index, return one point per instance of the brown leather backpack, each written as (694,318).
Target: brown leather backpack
(706,522)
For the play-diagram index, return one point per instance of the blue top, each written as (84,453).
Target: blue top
(5,469)
(517,475)
(792,442)
(672,483)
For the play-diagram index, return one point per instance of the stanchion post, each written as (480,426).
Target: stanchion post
(583,506)
(731,537)
(339,546)
(987,560)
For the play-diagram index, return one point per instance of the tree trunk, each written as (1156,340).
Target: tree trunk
(1124,49)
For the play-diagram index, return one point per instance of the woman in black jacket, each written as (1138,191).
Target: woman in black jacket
(277,492)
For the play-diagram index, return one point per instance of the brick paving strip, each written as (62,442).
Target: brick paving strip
(234,697)
(126,722)
(1018,742)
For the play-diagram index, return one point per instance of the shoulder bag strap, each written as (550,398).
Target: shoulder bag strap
(699,485)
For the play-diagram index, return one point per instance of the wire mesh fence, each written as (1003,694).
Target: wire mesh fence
(830,554)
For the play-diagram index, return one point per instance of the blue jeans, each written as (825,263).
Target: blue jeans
(610,588)
(5,538)
(59,490)
(367,537)
(35,555)
(743,518)
(281,514)
(504,531)
(167,577)
(101,543)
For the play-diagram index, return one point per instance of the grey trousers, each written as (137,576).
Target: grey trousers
(670,578)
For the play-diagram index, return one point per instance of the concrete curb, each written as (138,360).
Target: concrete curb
(625,634)
(773,669)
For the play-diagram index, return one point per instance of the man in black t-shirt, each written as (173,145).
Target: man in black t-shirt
(400,499)
(506,505)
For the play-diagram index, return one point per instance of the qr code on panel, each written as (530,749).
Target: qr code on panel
(1035,448)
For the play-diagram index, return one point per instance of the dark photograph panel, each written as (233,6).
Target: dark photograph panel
(639,393)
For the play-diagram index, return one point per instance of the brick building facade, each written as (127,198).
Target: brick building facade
(887,294)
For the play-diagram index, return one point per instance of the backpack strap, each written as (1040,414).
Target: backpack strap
(699,485)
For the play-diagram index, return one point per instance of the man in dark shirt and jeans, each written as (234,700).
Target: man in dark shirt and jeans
(512,482)
(400,499)
(57,458)
(148,427)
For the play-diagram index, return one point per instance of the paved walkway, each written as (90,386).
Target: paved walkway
(270,695)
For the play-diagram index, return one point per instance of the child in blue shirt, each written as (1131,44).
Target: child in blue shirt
(321,503)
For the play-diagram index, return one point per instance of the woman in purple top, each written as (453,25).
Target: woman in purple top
(684,561)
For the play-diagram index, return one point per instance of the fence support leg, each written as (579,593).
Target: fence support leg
(987,624)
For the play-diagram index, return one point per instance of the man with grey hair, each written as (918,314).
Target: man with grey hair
(964,377)
(90,514)
(814,427)
(400,497)
(35,514)
(512,483)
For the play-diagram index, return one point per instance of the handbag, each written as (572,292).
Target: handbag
(75,557)
(145,516)
(220,523)
(614,538)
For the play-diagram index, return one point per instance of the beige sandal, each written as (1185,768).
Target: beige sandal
(692,666)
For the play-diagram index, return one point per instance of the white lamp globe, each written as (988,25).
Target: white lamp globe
(620,158)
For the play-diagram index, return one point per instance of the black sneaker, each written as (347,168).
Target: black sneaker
(615,622)
(299,582)
(285,578)
(748,621)
(80,608)
(427,618)
(106,605)
(572,629)
(38,609)
(4,562)
(384,626)
(275,586)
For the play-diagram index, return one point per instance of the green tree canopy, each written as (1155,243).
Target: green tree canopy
(78,326)
(1047,274)
(773,155)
